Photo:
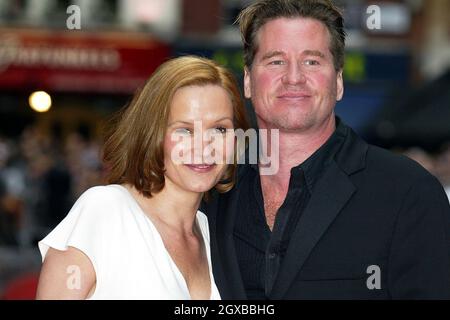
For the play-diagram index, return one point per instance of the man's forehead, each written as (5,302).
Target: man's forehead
(292,23)
(273,39)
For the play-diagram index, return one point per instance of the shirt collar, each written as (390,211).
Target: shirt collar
(314,166)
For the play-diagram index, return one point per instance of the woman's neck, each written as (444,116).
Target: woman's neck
(173,207)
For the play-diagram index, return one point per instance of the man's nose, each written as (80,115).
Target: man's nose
(294,74)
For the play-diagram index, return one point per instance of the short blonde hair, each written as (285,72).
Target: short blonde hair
(134,152)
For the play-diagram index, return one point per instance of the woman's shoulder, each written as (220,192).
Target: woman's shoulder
(111,193)
(101,202)
(91,224)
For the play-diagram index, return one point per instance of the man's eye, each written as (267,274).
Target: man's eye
(311,62)
(277,62)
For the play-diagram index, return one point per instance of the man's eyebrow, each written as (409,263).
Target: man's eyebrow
(316,53)
(275,53)
(271,54)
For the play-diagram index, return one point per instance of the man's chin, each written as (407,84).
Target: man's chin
(291,124)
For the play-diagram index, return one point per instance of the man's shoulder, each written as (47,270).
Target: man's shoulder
(395,166)
(394,162)
(379,161)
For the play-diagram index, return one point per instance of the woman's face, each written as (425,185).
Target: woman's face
(199,142)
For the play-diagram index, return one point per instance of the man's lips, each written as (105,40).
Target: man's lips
(294,95)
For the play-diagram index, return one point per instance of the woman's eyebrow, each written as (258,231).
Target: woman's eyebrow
(190,123)
(181,122)
(224,118)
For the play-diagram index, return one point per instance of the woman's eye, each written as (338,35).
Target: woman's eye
(221,129)
(183,131)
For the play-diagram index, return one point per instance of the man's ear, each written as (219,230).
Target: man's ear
(247,83)
(339,86)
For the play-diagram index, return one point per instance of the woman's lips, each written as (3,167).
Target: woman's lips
(200,168)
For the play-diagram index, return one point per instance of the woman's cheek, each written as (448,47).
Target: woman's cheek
(177,148)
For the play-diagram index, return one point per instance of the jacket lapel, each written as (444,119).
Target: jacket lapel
(231,278)
(330,195)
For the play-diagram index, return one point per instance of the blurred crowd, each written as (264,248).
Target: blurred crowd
(436,163)
(41,175)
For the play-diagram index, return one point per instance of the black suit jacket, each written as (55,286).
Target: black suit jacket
(370,209)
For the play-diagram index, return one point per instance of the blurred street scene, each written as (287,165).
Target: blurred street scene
(84,59)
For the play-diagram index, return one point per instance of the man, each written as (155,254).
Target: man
(341,219)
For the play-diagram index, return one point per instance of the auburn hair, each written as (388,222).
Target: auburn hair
(133,152)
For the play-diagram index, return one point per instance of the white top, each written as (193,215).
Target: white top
(125,248)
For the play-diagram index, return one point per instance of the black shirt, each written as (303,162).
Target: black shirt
(260,251)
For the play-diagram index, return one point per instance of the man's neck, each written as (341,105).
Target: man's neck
(296,147)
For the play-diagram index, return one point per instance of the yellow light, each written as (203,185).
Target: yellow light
(40,101)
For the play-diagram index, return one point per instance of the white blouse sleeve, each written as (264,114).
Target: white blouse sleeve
(88,226)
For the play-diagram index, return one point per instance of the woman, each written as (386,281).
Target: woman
(142,236)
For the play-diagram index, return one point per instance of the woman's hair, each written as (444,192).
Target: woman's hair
(134,151)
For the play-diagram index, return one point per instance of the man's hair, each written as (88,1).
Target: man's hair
(252,18)
(134,152)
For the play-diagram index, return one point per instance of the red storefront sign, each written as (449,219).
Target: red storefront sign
(113,62)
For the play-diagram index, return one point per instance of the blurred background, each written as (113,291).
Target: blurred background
(65,70)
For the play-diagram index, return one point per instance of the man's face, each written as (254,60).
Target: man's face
(293,83)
